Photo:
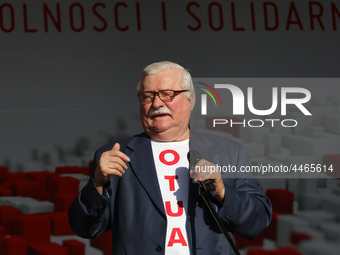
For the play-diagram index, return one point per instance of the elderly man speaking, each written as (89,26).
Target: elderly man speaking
(140,187)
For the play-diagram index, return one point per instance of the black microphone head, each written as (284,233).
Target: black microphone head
(193,157)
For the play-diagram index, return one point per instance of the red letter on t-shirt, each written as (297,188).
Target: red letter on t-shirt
(172,162)
(171,179)
(180,239)
(170,213)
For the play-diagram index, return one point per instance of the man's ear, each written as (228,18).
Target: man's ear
(192,100)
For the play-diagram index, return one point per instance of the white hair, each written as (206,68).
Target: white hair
(186,84)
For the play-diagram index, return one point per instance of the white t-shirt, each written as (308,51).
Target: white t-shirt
(173,176)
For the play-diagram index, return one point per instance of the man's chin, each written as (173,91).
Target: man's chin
(158,132)
(168,136)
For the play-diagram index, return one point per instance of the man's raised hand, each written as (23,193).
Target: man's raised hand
(112,162)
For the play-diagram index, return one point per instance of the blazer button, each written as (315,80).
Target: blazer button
(95,215)
(159,248)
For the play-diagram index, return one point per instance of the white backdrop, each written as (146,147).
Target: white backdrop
(69,68)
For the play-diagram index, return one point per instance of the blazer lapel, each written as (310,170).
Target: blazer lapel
(142,164)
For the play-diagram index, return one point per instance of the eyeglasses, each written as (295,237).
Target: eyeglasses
(165,95)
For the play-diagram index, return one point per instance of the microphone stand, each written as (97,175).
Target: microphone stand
(205,189)
(203,192)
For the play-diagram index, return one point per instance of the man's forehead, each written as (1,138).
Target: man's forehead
(167,79)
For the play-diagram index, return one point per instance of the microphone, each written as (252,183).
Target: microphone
(193,157)
(209,187)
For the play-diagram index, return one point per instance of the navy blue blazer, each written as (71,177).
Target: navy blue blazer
(135,210)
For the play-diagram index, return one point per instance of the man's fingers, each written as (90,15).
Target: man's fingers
(115,152)
(119,162)
(112,169)
(116,165)
(116,170)
(121,155)
(112,162)
(116,146)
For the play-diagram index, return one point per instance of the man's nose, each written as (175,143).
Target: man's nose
(157,102)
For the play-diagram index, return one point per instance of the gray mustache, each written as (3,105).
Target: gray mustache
(153,112)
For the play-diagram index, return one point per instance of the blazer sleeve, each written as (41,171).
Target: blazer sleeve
(89,214)
(246,211)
